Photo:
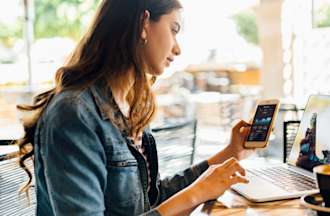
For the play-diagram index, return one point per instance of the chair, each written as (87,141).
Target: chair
(290,129)
(6,142)
(176,146)
(288,112)
(12,178)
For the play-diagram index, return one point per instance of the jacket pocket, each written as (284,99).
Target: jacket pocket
(124,186)
(125,163)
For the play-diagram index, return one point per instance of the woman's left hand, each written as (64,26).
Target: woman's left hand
(235,148)
(239,135)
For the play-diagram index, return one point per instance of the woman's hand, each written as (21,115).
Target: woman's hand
(236,145)
(217,179)
(210,185)
(238,136)
(220,176)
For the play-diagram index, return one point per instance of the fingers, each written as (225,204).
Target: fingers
(235,178)
(241,124)
(232,166)
(238,179)
(229,162)
(236,167)
(230,172)
(246,130)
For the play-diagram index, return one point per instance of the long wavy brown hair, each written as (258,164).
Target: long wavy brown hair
(111,46)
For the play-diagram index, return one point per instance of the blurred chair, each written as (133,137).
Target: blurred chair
(230,110)
(217,109)
(8,151)
(12,178)
(6,142)
(176,146)
(290,129)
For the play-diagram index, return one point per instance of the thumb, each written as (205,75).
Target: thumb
(239,179)
(240,124)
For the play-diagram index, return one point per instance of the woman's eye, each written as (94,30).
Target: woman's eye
(175,28)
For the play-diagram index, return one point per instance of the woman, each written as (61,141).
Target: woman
(88,136)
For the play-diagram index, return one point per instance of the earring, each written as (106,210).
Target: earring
(153,79)
(145,41)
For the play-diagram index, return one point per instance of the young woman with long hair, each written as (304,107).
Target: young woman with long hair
(88,136)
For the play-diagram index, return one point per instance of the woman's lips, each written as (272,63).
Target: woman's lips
(168,61)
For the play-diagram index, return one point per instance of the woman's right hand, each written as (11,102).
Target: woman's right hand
(217,179)
(210,185)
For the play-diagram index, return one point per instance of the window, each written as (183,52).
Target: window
(58,25)
(321,13)
(12,44)
(35,38)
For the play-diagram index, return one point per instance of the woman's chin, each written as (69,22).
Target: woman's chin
(158,72)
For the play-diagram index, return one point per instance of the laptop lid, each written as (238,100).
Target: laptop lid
(312,143)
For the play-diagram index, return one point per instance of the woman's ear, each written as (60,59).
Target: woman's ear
(145,21)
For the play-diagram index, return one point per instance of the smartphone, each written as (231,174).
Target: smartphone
(262,124)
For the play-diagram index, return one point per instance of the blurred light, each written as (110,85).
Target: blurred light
(287,87)
(10,13)
(287,72)
(287,55)
(240,67)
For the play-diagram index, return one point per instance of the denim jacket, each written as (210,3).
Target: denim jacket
(85,166)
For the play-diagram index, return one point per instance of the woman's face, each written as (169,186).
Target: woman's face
(161,46)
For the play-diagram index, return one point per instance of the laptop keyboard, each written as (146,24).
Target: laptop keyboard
(285,178)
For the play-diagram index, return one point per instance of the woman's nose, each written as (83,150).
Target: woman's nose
(176,49)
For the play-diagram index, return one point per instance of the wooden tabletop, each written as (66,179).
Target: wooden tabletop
(234,204)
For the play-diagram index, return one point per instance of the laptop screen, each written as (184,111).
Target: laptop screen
(312,143)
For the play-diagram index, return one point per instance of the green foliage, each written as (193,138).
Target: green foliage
(247,26)
(66,18)
(322,17)
(62,18)
(10,33)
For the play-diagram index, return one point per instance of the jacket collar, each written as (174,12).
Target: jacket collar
(102,96)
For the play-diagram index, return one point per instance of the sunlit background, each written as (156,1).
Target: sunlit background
(233,53)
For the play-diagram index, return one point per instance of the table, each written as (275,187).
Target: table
(233,204)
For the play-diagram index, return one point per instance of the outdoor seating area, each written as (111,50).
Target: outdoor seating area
(227,57)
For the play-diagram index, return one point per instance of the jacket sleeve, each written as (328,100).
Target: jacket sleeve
(74,161)
(171,185)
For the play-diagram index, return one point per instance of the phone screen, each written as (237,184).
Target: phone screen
(261,122)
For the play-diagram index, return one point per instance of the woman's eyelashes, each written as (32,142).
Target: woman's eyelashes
(176,28)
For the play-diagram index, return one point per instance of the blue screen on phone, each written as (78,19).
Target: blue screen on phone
(261,123)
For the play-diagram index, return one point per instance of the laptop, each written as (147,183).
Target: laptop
(295,178)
